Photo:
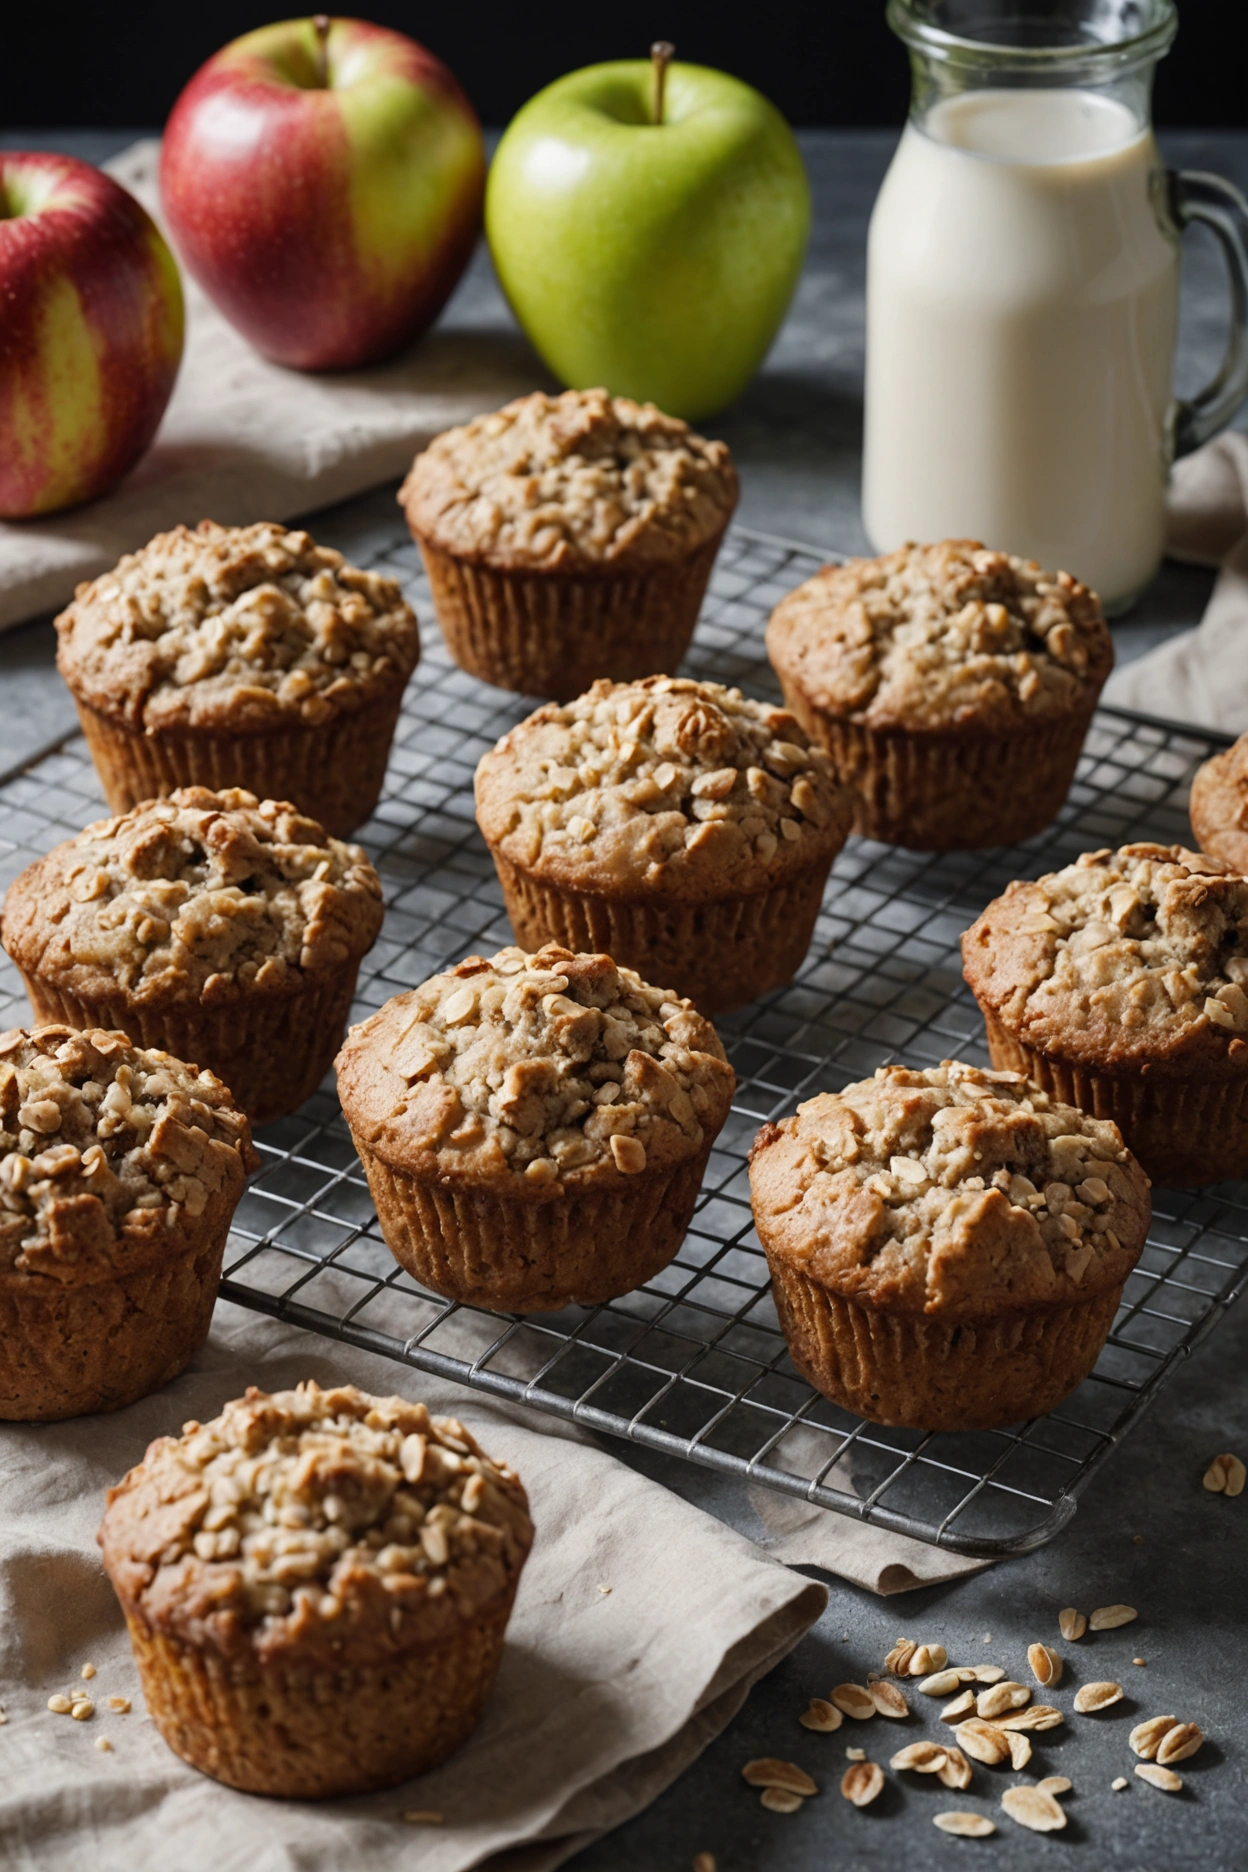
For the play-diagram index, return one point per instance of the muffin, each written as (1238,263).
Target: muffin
(225,929)
(1219,806)
(952,686)
(947,1247)
(534,1128)
(240,657)
(119,1171)
(1118,984)
(317,1585)
(569,537)
(682,827)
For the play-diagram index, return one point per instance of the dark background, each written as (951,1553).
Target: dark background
(827,62)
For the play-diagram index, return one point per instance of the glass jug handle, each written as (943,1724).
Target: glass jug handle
(1219,206)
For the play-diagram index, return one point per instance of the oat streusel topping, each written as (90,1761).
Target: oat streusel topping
(250,628)
(552,481)
(102,1146)
(202,895)
(946,1187)
(664,784)
(1219,806)
(941,636)
(1147,946)
(536,1066)
(315,1515)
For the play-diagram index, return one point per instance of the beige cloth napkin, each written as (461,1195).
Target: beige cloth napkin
(604,1697)
(245,440)
(1202,676)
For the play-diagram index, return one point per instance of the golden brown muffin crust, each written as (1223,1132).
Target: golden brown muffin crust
(316,1527)
(665,786)
(551,1071)
(1125,960)
(949,1191)
(1219,806)
(103,1145)
(950,636)
(201,896)
(572,482)
(241,629)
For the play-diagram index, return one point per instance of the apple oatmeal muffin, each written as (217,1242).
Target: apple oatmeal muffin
(120,1169)
(947,1246)
(1219,806)
(219,927)
(240,657)
(317,1585)
(952,686)
(682,827)
(569,537)
(534,1128)
(1120,984)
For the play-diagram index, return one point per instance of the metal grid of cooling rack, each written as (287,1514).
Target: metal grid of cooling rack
(694,1363)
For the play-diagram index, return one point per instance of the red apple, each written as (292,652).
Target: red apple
(90,332)
(322,180)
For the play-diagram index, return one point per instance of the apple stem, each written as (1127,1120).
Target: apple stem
(320,25)
(662,52)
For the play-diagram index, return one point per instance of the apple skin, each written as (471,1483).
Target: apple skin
(329,224)
(655,259)
(91,332)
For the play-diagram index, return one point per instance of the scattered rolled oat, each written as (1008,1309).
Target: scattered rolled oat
(966,1825)
(88,1672)
(926,1659)
(955,1770)
(820,1715)
(1109,1617)
(941,1683)
(984,1741)
(1097,1696)
(888,1700)
(1118,1783)
(1071,1624)
(1163,1778)
(922,1757)
(1020,1748)
(59,1705)
(898,1659)
(1035,1716)
(83,1709)
(104,1745)
(1225,1475)
(960,1707)
(1054,1784)
(1145,1738)
(983,1673)
(120,1704)
(854,1701)
(1180,1742)
(1046,1665)
(767,1772)
(853,1754)
(1034,1809)
(862,1782)
(780,1800)
(998,1699)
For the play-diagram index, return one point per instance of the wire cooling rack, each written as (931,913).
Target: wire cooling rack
(694,1363)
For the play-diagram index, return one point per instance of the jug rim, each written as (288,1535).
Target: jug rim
(1094,56)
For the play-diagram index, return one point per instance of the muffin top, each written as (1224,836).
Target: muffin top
(945,636)
(1129,957)
(550,1070)
(107,1152)
(949,1190)
(202,896)
(245,629)
(1219,806)
(567,482)
(332,1525)
(663,786)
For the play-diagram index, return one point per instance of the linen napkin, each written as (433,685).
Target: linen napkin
(1202,676)
(245,440)
(640,1626)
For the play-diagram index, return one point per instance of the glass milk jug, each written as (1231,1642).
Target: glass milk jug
(1022,291)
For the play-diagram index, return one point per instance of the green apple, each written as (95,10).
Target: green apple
(649,235)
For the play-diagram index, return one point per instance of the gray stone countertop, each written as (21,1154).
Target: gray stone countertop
(1145,1533)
